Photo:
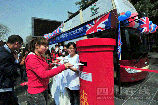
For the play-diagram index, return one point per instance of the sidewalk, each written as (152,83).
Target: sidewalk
(143,92)
(153,54)
(21,92)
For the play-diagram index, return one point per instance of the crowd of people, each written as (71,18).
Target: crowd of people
(36,64)
(58,51)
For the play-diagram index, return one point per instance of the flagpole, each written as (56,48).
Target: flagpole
(118,94)
(120,39)
(118,64)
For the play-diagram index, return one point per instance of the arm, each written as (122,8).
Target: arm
(41,71)
(9,68)
(73,69)
(22,61)
(50,66)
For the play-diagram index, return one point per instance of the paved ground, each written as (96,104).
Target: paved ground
(142,92)
(21,92)
(139,93)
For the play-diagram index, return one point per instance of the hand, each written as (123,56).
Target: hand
(15,55)
(68,65)
(55,61)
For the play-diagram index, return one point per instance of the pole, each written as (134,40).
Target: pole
(119,95)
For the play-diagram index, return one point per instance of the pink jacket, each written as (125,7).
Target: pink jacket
(39,72)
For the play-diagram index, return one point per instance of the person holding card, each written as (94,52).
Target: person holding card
(39,72)
(72,74)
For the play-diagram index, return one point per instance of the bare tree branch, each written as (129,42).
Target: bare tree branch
(4,30)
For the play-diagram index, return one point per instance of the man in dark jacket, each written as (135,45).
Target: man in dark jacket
(8,69)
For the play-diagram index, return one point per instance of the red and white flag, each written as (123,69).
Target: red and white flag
(144,25)
(99,24)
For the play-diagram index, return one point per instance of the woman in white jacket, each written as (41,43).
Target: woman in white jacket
(66,84)
(72,74)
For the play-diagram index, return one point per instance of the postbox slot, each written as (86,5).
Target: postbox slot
(85,63)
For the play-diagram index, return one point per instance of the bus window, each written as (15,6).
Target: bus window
(134,44)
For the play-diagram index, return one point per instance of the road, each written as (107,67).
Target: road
(142,92)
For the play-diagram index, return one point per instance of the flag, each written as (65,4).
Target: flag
(53,33)
(62,25)
(152,28)
(133,20)
(46,36)
(99,24)
(119,42)
(144,25)
(59,29)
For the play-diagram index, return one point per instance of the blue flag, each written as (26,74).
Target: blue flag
(119,42)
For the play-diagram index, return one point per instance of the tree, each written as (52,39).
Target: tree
(151,10)
(28,39)
(147,6)
(4,30)
(84,3)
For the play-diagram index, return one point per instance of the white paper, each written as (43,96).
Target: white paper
(86,76)
(80,64)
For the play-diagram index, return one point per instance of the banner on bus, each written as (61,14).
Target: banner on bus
(72,22)
(99,24)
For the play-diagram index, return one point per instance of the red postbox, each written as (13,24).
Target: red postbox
(97,74)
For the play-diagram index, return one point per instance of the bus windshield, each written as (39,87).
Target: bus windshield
(134,44)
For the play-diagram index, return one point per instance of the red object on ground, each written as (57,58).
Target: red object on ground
(23,84)
(97,76)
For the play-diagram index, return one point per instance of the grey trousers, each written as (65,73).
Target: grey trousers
(38,99)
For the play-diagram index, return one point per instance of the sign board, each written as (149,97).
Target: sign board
(99,24)
(43,26)
(97,9)
(75,21)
